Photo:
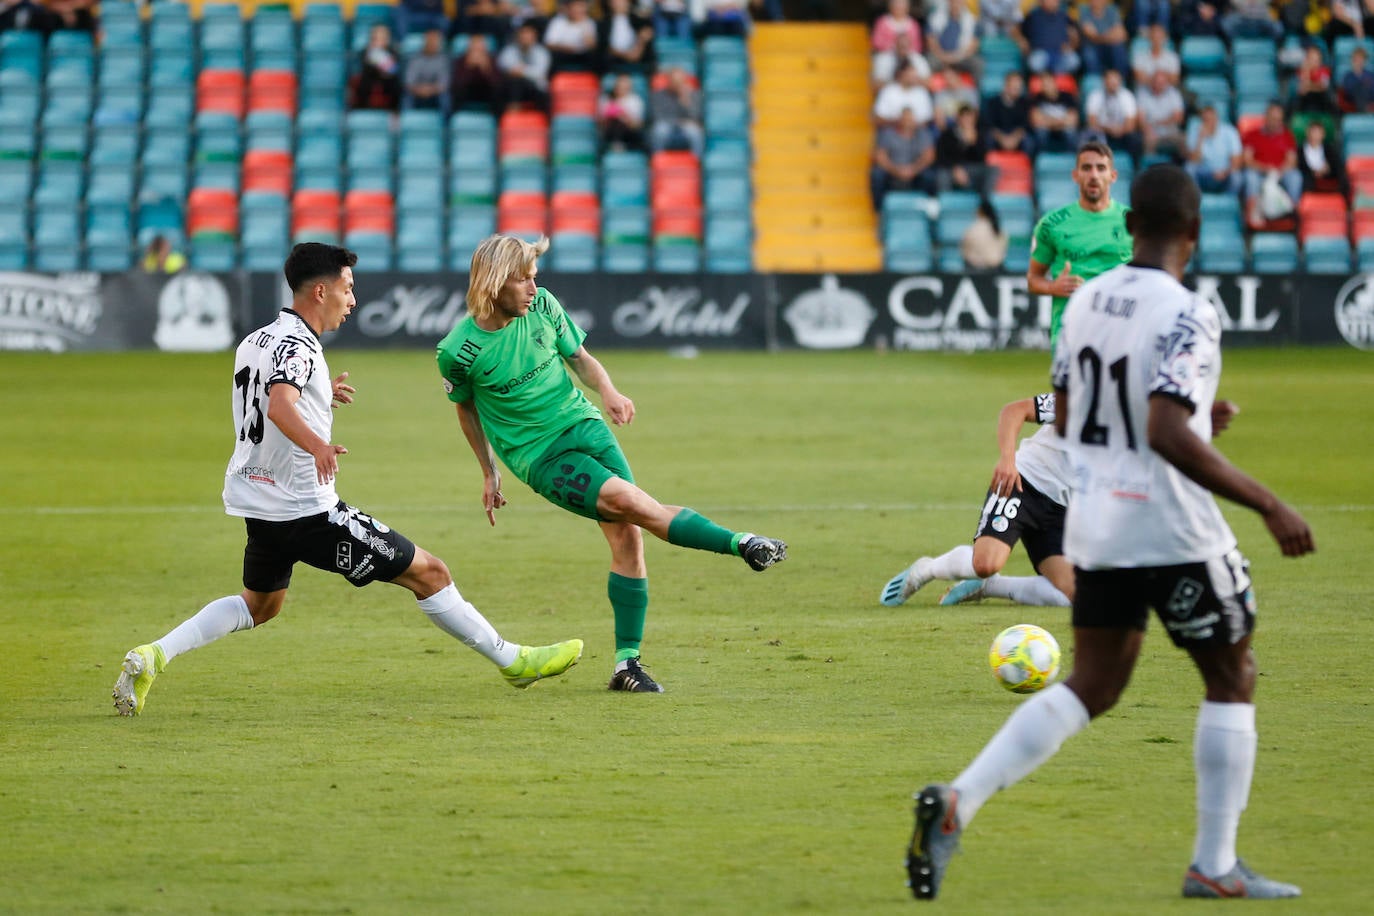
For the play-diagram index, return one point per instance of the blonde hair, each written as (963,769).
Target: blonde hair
(495,261)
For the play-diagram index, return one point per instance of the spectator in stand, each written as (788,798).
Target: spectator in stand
(420,16)
(71,15)
(906,92)
(726,17)
(24,16)
(1214,153)
(1113,115)
(1350,17)
(1006,117)
(1269,151)
(477,81)
(160,258)
(1357,86)
(571,38)
(1053,117)
(524,66)
(1102,37)
(672,19)
(492,18)
(984,244)
(897,19)
(885,63)
(1320,161)
(952,39)
(676,112)
(903,159)
(1250,19)
(427,74)
(999,18)
(625,40)
(620,115)
(1157,57)
(766,11)
(1161,109)
(961,155)
(1313,92)
(1147,13)
(379,79)
(1201,17)
(1048,39)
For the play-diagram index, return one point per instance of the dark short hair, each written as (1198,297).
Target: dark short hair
(1165,202)
(1093,146)
(311,261)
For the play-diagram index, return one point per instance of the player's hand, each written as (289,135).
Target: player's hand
(1289,530)
(1223,412)
(1066,283)
(343,394)
(620,408)
(492,498)
(1006,480)
(327,462)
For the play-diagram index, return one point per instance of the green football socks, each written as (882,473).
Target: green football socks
(688,529)
(630,603)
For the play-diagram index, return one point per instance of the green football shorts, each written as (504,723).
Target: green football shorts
(578,464)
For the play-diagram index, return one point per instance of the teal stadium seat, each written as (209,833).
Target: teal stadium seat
(1274,253)
(1202,54)
(1327,255)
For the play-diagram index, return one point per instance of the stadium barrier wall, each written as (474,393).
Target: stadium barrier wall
(973,312)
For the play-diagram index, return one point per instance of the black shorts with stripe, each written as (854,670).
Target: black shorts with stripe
(1028,516)
(1200,604)
(343,540)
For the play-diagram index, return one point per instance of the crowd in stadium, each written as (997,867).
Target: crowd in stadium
(1248,95)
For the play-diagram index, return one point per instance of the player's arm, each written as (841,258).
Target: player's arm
(281,410)
(594,375)
(1005,478)
(471,424)
(1168,434)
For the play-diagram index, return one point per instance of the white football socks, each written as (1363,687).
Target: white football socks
(448,610)
(218,618)
(1032,590)
(956,564)
(1027,739)
(1224,756)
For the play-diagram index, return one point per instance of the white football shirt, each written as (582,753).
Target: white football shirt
(269,477)
(1040,458)
(1129,334)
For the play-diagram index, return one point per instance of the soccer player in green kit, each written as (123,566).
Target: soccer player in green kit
(1077,242)
(503,366)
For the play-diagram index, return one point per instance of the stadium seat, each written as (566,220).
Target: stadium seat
(220,90)
(676,257)
(572,252)
(1364,255)
(1322,215)
(1202,54)
(318,210)
(625,258)
(1274,253)
(369,211)
(1326,255)
(272,90)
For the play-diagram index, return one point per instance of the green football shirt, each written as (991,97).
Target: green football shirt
(1091,242)
(516,377)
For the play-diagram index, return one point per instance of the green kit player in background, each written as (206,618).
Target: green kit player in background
(1077,242)
(503,366)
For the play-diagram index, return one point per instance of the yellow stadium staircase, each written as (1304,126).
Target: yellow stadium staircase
(812,144)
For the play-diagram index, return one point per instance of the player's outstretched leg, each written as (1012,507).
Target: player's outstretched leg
(140,666)
(535,663)
(1240,881)
(761,552)
(906,583)
(964,592)
(934,840)
(630,677)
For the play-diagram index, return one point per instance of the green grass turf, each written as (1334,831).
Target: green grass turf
(350,758)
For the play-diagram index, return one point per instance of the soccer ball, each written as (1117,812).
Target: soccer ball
(1024,658)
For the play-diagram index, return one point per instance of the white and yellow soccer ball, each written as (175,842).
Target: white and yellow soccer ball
(1024,658)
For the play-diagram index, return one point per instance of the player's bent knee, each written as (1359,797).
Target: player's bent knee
(983,567)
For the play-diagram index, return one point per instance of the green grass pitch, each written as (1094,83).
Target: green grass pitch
(350,758)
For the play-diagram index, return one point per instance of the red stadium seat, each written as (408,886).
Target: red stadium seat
(316,209)
(220,90)
(369,211)
(212,210)
(272,90)
(268,170)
